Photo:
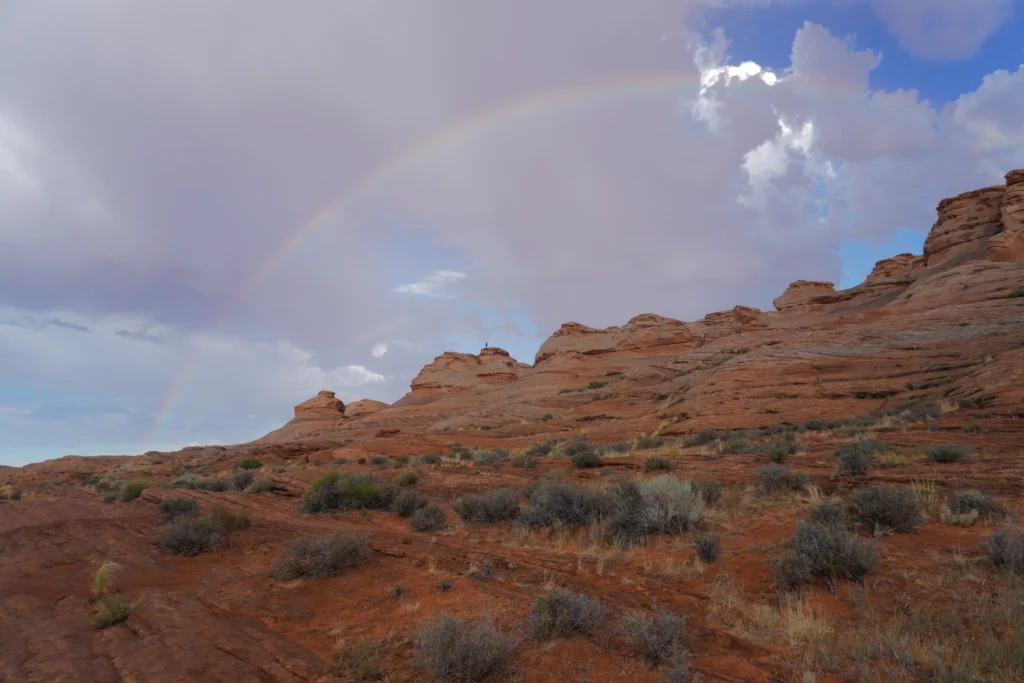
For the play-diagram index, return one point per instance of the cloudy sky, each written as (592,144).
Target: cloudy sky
(211,209)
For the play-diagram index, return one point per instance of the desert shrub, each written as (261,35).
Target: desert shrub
(578,444)
(172,507)
(854,459)
(15,495)
(710,490)
(620,447)
(829,512)
(261,485)
(110,610)
(678,671)
(646,442)
(132,489)
(910,411)
(337,491)
(527,462)
(556,502)
(430,517)
(457,451)
(401,461)
(492,458)
(779,449)
(458,650)
(379,460)
(662,505)
(657,462)
(559,613)
(361,460)
(973,429)
(963,501)
(708,547)
(431,459)
(1017,293)
(195,482)
(229,520)
(240,480)
(190,536)
(702,437)
(1006,549)
(319,557)
(582,454)
(947,452)
(361,662)
(738,445)
(657,639)
(406,478)
(488,508)
(816,425)
(887,507)
(250,464)
(772,478)
(540,450)
(408,502)
(824,551)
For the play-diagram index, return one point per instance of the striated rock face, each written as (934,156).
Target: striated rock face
(453,371)
(324,404)
(965,223)
(901,269)
(643,331)
(743,316)
(804,293)
(1009,244)
(364,407)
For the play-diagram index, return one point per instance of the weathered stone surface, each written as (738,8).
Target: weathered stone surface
(364,407)
(965,223)
(643,331)
(1008,245)
(804,293)
(453,371)
(324,404)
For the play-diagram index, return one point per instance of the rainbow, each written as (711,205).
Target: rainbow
(466,129)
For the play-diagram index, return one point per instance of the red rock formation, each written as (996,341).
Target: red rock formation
(1008,245)
(643,331)
(364,407)
(453,371)
(803,294)
(324,404)
(965,223)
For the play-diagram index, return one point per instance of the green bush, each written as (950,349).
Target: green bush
(319,557)
(964,501)
(854,459)
(830,513)
(559,613)
(779,449)
(492,458)
(337,491)
(132,490)
(261,485)
(379,460)
(527,462)
(250,464)
(110,610)
(431,459)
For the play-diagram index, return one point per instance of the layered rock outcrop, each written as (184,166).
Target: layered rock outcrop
(1008,245)
(803,294)
(643,331)
(323,405)
(453,371)
(366,406)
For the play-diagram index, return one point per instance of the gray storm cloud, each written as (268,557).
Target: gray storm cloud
(155,159)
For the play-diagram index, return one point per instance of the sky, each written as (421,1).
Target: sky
(212,209)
